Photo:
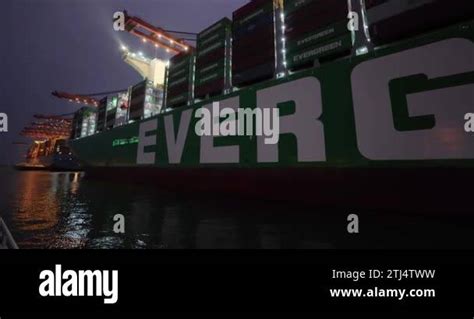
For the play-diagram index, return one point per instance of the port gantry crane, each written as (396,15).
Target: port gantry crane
(48,127)
(77,98)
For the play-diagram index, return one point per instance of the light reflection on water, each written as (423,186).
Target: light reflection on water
(67,210)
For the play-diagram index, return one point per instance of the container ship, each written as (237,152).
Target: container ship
(372,99)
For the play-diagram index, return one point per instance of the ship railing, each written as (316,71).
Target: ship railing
(6,238)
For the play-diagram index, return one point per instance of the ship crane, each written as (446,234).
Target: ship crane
(152,69)
(83,99)
(76,98)
(159,37)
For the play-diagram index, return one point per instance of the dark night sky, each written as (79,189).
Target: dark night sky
(69,45)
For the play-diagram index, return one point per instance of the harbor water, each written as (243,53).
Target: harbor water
(69,210)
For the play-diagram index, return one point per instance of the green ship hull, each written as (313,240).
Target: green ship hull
(359,123)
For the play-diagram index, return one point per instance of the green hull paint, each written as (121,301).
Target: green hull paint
(118,147)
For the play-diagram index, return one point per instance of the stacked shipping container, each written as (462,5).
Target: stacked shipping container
(153,100)
(84,122)
(122,109)
(244,51)
(316,30)
(137,101)
(89,122)
(145,101)
(140,102)
(111,111)
(180,80)
(253,43)
(76,124)
(392,20)
(213,59)
(101,115)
